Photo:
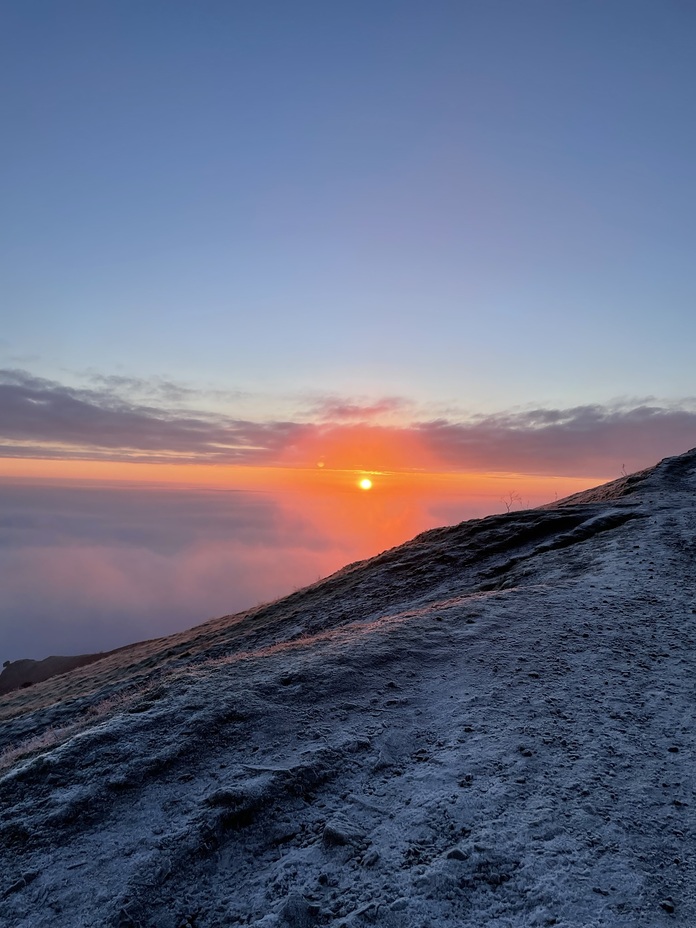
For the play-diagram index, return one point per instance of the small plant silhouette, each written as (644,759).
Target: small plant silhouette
(510,500)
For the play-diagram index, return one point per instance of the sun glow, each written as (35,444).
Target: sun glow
(365,483)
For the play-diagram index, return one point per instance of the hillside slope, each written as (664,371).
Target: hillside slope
(492,724)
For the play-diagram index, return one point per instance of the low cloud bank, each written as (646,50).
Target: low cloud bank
(584,439)
(42,418)
(90,568)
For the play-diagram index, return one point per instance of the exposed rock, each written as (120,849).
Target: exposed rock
(341,831)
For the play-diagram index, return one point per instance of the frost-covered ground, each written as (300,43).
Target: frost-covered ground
(492,725)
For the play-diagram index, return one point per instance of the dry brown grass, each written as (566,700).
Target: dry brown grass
(60,733)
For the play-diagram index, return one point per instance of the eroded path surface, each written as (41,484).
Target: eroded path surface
(493,728)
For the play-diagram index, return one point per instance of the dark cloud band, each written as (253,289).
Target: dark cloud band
(42,418)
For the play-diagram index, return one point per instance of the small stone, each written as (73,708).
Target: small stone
(15,887)
(456,853)
(341,831)
(370,859)
(668,904)
(399,904)
(296,912)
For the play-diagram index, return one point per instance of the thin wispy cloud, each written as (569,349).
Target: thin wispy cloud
(340,409)
(162,391)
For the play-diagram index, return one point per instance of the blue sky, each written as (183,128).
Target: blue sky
(475,204)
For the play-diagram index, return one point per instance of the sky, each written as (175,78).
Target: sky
(252,253)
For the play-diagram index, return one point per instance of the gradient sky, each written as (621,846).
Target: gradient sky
(253,251)
(474,203)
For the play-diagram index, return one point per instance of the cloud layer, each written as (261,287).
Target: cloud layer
(90,568)
(43,418)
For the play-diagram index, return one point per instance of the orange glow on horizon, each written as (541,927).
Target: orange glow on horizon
(363,448)
(530,488)
(323,500)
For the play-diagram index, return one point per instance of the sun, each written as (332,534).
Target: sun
(365,483)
